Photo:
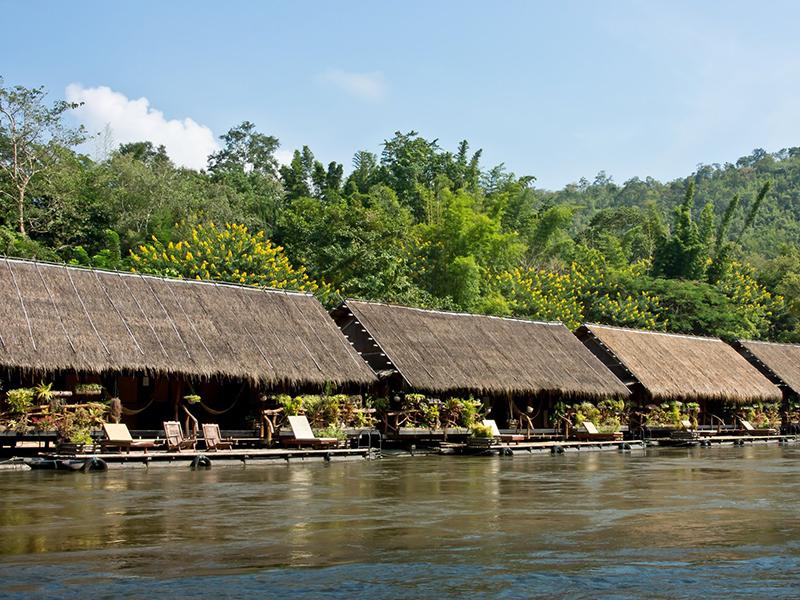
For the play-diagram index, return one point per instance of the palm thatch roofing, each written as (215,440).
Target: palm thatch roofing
(444,352)
(780,362)
(681,367)
(56,318)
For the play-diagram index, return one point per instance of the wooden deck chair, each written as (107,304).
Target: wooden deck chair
(117,436)
(502,437)
(589,432)
(214,439)
(174,436)
(750,430)
(303,436)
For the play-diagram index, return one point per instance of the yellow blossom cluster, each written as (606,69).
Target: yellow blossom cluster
(752,299)
(577,294)
(227,253)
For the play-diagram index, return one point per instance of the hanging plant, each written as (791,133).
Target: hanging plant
(192,399)
(89,389)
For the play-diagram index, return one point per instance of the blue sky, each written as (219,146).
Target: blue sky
(558,90)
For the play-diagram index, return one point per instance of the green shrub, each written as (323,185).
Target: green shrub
(291,406)
(20,400)
(81,436)
(479,430)
(44,392)
(457,412)
(331,431)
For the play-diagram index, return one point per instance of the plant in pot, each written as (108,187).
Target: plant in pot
(430,414)
(693,411)
(20,400)
(75,427)
(44,392)
(479,430)
(291,406)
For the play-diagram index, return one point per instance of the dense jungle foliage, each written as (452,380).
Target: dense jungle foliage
(717,252)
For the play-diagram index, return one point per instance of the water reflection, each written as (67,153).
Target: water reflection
(526,518)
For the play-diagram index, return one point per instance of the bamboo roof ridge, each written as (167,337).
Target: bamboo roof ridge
(58,317)
(442,352)
(683,367)
(782,361)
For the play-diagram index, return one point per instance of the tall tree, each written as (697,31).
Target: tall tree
(682,255)
(31,135)
(246,150)
(722,247)
(307,177)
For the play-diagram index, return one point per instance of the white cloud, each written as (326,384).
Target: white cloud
(284,157)
(364,86)
(188,143)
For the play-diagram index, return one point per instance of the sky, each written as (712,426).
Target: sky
(557,90)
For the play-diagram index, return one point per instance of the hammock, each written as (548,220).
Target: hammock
(215,412)
(131,412)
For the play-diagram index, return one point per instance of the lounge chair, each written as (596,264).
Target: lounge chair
(214,439)
(303,436)
(589,433)
(117,436)
(174,436)
(502,437)
(750,430)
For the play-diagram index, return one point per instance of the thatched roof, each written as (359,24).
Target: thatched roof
(779,361)
(54,317)
(681,367)
(449,352)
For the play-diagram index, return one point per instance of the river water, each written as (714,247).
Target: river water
(660,523)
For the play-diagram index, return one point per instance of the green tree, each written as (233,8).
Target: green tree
(31,135)
(683,254)
(358,244)
(307,177)
(463,242)
(246,150)
(246,173)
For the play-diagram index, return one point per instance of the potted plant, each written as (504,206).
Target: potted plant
(20,400)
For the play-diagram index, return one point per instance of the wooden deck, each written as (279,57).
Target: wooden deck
(243,456)
(562,446)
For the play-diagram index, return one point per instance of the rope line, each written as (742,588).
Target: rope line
(55,309)
(169,316)
(22,303)
(131,412)
(86,312)
(119,314)
(191,323)
(249,333)
(144,314)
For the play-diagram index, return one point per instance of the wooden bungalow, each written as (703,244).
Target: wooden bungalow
(780,363)
(150,341)
(662,368)
(516,366)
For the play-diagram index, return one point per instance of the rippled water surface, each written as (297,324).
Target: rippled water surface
(662,523)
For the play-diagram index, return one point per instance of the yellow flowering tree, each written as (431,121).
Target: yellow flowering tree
(227,253)
(755,305)
(586,290)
